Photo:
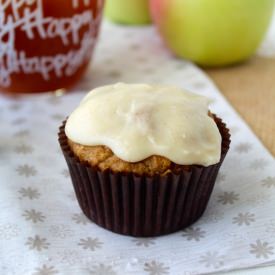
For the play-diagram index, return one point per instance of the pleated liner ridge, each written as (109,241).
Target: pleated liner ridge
(143,206)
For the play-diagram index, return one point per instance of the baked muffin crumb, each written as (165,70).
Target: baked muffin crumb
(103,158)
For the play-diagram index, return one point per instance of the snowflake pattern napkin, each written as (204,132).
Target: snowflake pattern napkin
(42,230)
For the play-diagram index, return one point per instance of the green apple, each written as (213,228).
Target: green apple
(212,32)
(128,11)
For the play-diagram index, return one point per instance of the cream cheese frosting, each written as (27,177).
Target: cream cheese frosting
(137,121)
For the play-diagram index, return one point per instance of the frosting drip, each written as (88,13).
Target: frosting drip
(138,120)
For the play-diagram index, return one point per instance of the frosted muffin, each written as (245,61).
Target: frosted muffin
(143,159)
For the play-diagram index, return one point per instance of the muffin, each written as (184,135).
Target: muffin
(143,159)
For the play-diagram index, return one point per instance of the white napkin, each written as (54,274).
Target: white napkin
(42,229)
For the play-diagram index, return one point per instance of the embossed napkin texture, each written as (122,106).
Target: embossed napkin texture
(42,229)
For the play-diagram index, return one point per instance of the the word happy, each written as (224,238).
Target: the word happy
(27,16)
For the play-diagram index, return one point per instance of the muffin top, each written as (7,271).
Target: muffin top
(138,121)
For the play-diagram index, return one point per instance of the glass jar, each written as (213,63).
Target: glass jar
(46,44)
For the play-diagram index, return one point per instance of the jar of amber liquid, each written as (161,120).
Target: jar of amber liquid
(46,44)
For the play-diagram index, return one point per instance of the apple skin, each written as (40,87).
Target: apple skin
(212,32)
(131,12)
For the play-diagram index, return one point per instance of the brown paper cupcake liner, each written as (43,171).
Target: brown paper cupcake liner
(143,206)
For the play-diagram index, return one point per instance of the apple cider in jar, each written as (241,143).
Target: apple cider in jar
(46,44)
